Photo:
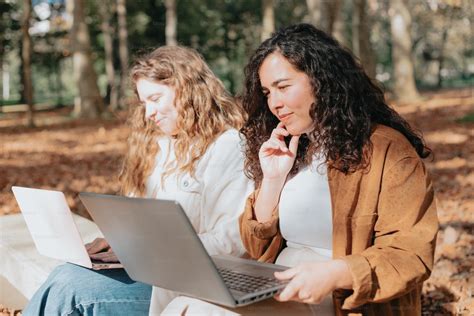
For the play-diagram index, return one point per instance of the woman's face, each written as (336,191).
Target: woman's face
(159,101)
(289,93)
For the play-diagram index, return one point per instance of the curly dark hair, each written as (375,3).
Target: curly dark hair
(347,108)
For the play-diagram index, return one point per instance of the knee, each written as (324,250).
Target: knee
(67,271)
(56,295)
(65,275)
(65,280)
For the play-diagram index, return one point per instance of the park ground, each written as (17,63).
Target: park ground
(74,156)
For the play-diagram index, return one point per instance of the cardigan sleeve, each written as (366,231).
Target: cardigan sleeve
(401,257)
(263,241)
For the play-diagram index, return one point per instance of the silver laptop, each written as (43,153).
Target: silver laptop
(157,244)
(51,225)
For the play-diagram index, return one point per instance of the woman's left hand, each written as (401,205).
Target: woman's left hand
(311,282)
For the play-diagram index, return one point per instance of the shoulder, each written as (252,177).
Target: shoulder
(229,136)
(391,145)
(229,142)
(224,155)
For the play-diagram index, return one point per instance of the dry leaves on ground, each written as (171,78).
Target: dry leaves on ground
(74,156)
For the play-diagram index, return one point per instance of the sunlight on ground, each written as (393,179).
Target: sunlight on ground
(74,156)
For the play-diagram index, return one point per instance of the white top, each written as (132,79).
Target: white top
(306,221)
(306,216)
(213,200)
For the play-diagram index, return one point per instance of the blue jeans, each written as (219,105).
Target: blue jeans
(74,290)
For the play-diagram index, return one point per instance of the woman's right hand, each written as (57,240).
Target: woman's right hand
(277,159)
(98,245)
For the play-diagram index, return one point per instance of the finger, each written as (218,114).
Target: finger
(287,274)
(304,295)
(293,146)
(98,245)
(90,244)
(272,145)
(279,133)
(289,292)
(278,139)
(108,256)
(99,256)
(281,145)
(111,258)
(296,299)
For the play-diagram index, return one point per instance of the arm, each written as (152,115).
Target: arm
(259,222)
(262,241)
(276,161)
(405,234)
(223,197)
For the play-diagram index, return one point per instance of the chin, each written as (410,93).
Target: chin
(167,132)
(294,131)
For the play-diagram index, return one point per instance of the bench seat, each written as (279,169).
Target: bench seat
(21,266)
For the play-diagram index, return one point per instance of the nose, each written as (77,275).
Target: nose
(274,101)
(150,111)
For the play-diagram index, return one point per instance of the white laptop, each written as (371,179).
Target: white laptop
(51,225)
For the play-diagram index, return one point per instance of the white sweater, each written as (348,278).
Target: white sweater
(213,200)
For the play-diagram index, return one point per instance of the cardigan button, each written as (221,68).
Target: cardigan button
(185,183)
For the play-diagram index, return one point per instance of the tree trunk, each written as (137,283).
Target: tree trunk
(107,8)
(89,103)
(268,20)
(444,37)
(59,84)
(3,75)
(5,81)
(26,53)
(403,69)
(123,51)
(171,23)
(331,19)
(314,10)
(442,50)
(338,27)
(361,45)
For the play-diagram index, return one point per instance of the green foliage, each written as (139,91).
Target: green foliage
(9,25)
(146,25)
(469,118)
(226,32)
(220,31)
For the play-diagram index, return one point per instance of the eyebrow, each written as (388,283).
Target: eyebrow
(276,82)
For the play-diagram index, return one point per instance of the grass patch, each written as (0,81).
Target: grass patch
(9,102)
(469,118)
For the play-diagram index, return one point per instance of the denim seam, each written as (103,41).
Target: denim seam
(104,301)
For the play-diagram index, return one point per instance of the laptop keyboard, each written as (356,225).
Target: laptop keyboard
(246,283)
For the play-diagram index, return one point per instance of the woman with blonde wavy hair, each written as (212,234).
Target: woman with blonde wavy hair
(184,145)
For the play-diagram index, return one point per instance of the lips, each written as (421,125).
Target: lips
(158,119)
(285,116)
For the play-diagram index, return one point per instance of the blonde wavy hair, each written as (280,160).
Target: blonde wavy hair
(205,110)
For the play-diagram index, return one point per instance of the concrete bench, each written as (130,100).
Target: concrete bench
(22,268)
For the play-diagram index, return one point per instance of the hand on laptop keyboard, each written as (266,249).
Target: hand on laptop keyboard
(105,256)
(98,245)
(100,250)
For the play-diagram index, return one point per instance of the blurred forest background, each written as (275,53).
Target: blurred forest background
(65,93)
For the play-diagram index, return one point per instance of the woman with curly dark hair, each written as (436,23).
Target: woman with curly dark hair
(343,195)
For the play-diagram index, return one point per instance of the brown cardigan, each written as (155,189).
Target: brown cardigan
(384,227)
